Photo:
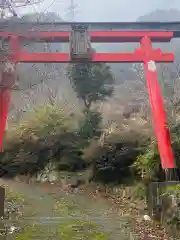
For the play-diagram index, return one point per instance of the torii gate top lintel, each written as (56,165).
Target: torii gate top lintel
(81,35)
(92,26)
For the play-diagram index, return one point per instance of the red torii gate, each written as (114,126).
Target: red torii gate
(112,32)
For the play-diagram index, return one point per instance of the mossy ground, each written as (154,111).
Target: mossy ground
(49,218)
(61,225)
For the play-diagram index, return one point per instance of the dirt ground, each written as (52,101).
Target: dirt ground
(54,213)
(110,217)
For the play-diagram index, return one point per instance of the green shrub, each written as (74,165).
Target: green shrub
(90,128)
(147,163)
(48,134)
(117,153)
(45,120)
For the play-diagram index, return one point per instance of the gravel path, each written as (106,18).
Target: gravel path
(79,207)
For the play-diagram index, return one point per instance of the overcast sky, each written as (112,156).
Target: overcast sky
(105,10)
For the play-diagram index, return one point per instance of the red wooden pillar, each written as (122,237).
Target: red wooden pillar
(7,81)
(157,107)
(5,94)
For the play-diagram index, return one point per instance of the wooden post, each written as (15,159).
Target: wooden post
(2,201)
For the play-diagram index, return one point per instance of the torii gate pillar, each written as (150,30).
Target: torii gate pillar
(157,107)
(7,81)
